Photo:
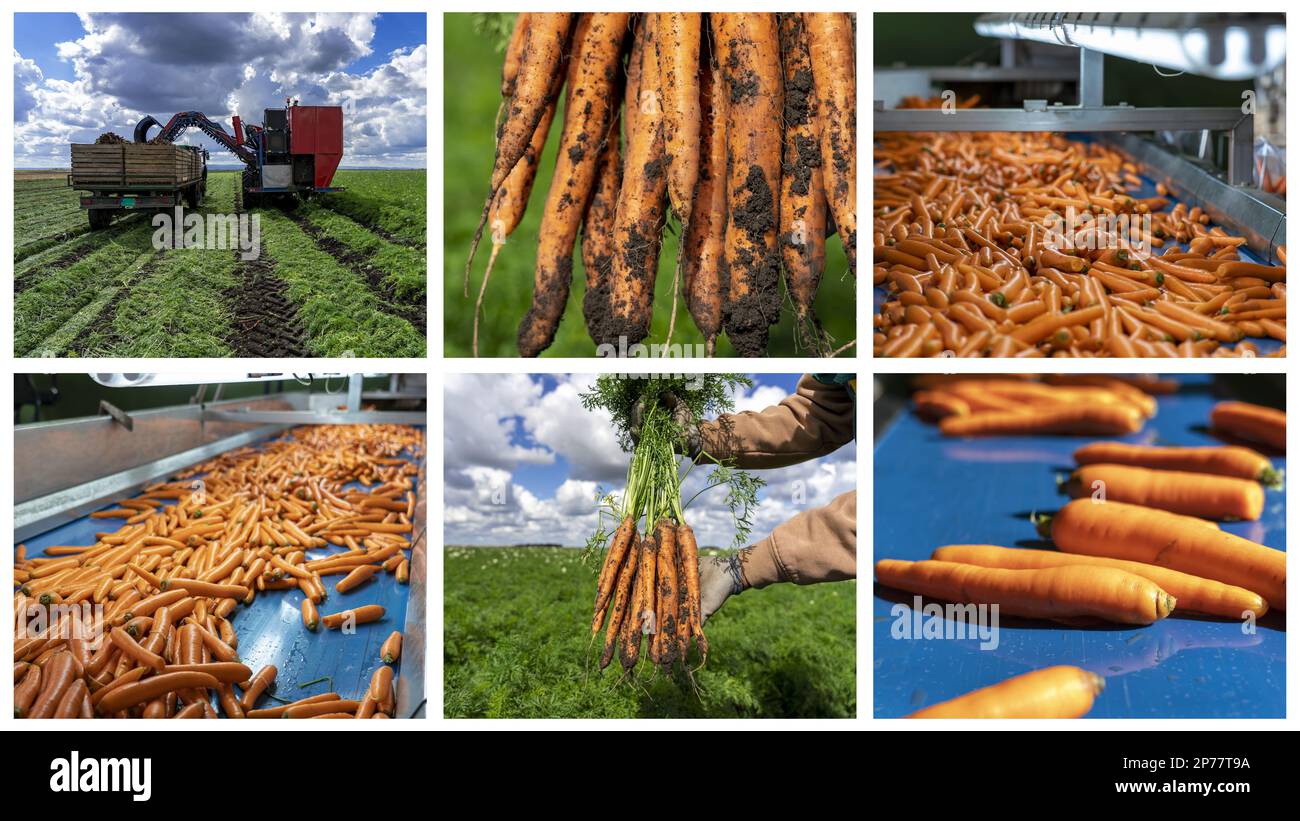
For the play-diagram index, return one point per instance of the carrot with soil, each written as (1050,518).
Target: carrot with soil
(803,192)
(830,46)
(588,111)
(541,58)
(702,238)
(750,58)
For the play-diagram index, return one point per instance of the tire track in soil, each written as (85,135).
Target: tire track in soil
(265,323)
(360,265)
(65,261)
(104,321)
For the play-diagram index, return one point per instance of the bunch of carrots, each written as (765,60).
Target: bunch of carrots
(141,623)
(975,248)
(649,586)
(742,126)
(1137,541)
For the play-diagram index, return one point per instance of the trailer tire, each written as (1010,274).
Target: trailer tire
(192,196)
(99,218)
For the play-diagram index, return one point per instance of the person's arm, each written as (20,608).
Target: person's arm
(815,421)
(818,545)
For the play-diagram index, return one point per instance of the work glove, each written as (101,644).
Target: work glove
(721,577)
(681,415)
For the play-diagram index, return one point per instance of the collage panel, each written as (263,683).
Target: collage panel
(1109,547)
(1083,184)
(258,192)
(654,546)
(642,184)
(194,545)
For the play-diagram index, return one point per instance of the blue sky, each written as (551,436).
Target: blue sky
(523,460)
(78,76)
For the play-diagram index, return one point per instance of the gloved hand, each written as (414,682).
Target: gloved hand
(681,415)
(721,578)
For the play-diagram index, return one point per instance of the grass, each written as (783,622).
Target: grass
(472,70)
(393,201)
(516,646)
(405,268)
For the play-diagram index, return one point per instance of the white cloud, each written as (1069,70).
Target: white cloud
(130,65)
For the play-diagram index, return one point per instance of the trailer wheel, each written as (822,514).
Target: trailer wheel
(99,218)
(192,196)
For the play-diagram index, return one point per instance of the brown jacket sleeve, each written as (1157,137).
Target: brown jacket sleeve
(818,545)
(817,420)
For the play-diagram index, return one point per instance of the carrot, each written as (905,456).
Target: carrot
(748,52)
(514,51)
(511,200)
(689,553)
(356,578)
(1053,692)
(1121,531)
(1226,460)
(598,231)
(618,548)
(702,242)
(541,56)
(639,214)
(391,651)
(278,711)
(310,616)
(26,690)
(70,705)
(381,687)
(1254,423)
(1061,593)
(830,46)
(194,710)
(150,688)
(259,684)
(346,706)
(357,615)
(665,652)
(803,192)
(629,634)
(195,587)
(678,41)
(618,610)
(1192,592)
(1192,494)
(140,655)
(592,83)
(1076,420)
(226,672)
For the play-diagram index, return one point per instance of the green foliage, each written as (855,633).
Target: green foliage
(515,645)
(404,267)
(393,201)
(472,95)
(705,395)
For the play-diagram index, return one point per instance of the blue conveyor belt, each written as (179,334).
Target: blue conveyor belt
(932,490)
(270,631)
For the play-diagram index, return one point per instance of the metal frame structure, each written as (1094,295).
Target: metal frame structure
(1091,115)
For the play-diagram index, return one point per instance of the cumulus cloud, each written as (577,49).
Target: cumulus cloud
(497,423)
(130,65)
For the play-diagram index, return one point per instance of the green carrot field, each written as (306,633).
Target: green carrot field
(516,627)
(473,46)
(341,274)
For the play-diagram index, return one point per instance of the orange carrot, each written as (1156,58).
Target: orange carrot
(356,578)
(357,615)
(1077,420)
(592,83)
(690,579)
(830,45)
(1120,531)
(1192,592)
(750,57)
(1061,593)
(259,684)
(392,649)
(618,610)
(1254,423)
(1054,692)
(618,548)
(598,231)
(702,242)
(1226,460)
(664,647)
(1192,494)
(150,688)
(310,616)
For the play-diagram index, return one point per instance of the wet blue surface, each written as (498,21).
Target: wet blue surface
(932,490)
(270,631)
